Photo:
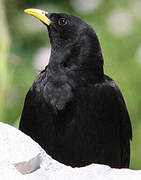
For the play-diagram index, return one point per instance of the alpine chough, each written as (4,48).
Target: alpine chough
(73,110)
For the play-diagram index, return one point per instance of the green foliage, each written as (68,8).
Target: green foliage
(122,59)
(4,48)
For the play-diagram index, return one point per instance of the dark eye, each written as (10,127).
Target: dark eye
(63,64)
(62,21)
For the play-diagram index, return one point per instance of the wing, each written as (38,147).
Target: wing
(27,118)
(32,110)
(125,127)
(33,117)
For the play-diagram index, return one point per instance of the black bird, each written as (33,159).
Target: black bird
(73,110)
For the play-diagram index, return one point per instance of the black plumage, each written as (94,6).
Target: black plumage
(74,111)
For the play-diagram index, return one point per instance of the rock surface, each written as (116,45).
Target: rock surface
(23,159)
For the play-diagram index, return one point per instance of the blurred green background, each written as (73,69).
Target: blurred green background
(24,51)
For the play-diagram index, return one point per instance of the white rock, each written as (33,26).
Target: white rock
(23,159)
(18,149)
(9,172)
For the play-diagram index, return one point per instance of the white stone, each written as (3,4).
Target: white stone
(23,159)
(9,172)
(18,149)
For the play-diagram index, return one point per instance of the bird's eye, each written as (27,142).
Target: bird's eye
(63,64)
(62,21)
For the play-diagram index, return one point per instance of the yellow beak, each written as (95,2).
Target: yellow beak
(39,14)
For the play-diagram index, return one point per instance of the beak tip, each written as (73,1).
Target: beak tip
(26,10)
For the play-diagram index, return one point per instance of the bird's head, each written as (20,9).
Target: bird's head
(74,44)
